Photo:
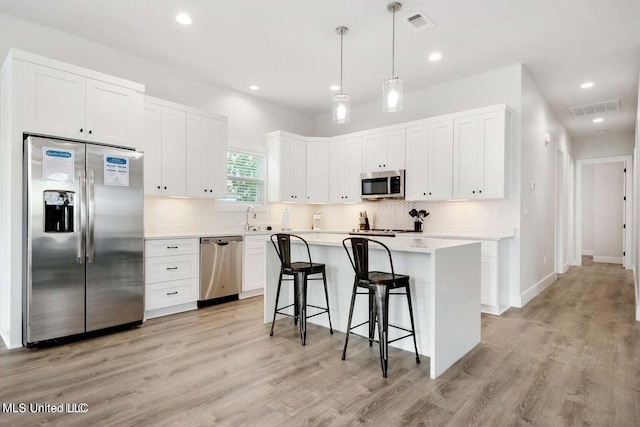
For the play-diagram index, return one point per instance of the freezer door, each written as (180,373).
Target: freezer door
(55,274)
(115,237)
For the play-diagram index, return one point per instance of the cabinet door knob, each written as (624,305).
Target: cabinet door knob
(429,193)
(210,191)
(205,190)
(158,187)
(90,131)
(165,187)
(474,191)
(81,129)
(424,194)
(479,191)
(382,165)
(379,166)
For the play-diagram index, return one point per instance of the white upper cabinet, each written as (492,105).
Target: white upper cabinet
(479,160)
(152,148)
(384,151)
(114,114)
(185,151)
(68,105)
(174,146)
(287,168)
(206,156)
(318,153)
(430,161)
(345,168)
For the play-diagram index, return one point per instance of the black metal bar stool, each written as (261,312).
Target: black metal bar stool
(300,272)
(378,285)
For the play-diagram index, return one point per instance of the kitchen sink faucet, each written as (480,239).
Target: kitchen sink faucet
(251,210)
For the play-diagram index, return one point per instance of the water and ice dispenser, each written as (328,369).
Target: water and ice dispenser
(58,211)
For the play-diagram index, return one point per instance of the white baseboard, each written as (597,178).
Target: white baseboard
(535,290)
(637,294)
(496,310)
(10,345)
(165,311)
(608,259)
(252,293)
(587,252)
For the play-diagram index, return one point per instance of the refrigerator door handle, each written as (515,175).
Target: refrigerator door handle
(82,213)
(91,205)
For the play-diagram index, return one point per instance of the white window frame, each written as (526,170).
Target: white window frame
(252,149)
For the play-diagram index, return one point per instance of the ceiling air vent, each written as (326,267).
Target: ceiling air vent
(599,107)
(420,22)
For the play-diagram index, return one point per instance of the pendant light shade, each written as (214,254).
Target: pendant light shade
(392,87)
(341,107)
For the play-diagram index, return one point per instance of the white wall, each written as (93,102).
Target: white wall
(608,191)
(479,90)
(538,205)
(588,180)
(603,145)
(636,208)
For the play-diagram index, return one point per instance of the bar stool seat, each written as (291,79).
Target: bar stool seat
(300,270)
(378,285)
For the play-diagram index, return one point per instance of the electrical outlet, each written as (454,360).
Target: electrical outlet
(189,210)
(465,212)
(496,211)
(544,259)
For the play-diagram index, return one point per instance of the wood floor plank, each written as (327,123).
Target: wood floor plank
(570,357)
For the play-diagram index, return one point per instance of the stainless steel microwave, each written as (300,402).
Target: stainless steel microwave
(382,185)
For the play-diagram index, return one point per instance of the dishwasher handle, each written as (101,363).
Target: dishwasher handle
(222,243)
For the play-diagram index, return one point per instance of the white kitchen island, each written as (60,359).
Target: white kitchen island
(445,287)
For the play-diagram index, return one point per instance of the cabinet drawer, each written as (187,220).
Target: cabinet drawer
(155,248)
(164,269)
(159,295)
(489,248)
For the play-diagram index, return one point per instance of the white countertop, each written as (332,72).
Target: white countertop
(416,244)
(439,233)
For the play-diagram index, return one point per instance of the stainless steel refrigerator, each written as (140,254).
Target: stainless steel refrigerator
(84,238)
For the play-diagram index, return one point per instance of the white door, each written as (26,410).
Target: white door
(54,102)
(465,158)
(375,153)
(491,140)
(317,172)
(299,170)
(196,156)
(337,171)
(112,114)
(217,157)
(174,138)
(440,167)
(152,148)
(353,165)
(394,147)
(417,173)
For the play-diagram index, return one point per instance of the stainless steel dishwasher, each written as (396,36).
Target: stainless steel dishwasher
(220,269)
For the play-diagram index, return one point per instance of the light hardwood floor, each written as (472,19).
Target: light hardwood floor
(570,357)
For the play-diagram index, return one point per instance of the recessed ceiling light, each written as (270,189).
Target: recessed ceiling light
(254,87)
(184,19)
(598,120)
(586,85)
(334,87)
(435,56)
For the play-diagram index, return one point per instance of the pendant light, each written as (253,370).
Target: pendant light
(392,87)
(341,99)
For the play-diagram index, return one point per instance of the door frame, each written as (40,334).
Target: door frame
(627,259)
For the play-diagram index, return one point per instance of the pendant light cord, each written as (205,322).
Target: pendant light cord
(341,55)
(393,45)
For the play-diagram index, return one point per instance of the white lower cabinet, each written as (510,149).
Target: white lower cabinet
(494,276)
(254,271)
(172,276)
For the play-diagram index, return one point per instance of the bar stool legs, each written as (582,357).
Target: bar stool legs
(413,328)
(300,303)
(379,314)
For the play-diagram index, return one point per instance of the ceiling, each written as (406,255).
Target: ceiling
(290,49)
